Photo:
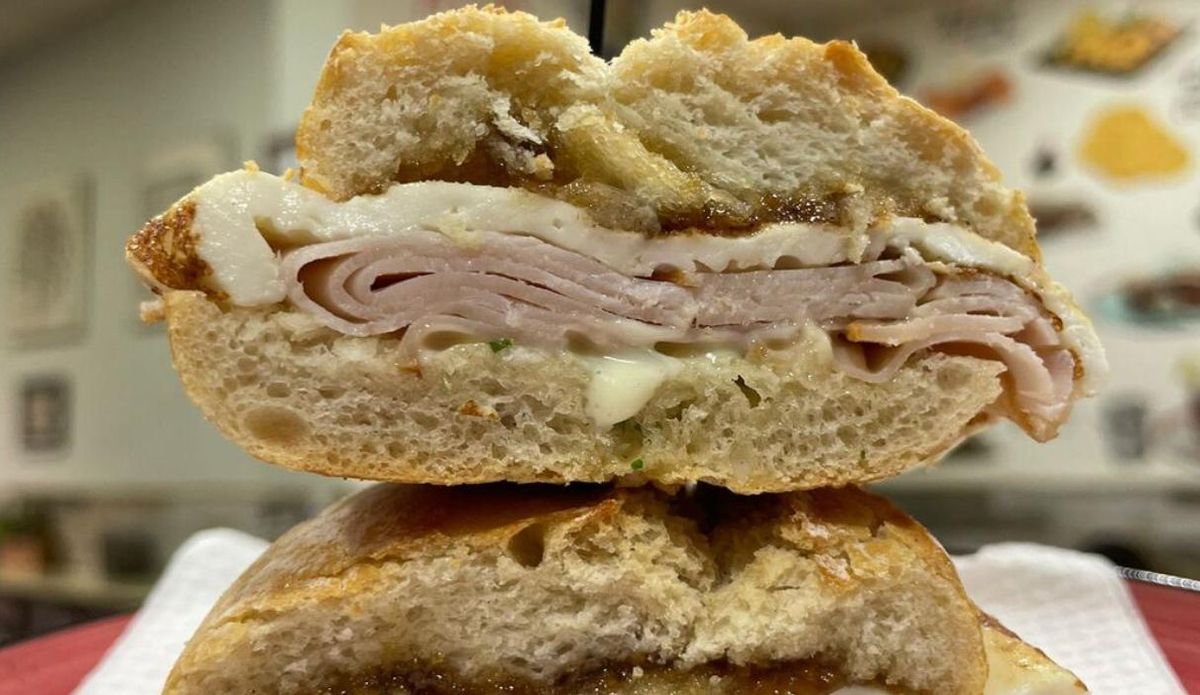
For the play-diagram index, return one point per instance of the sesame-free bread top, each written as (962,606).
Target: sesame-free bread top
(695,128)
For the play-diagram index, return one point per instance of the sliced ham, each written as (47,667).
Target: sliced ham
(1037,377)
(489,285)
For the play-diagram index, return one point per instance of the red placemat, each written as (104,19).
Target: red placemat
(55,664)
(1174,619)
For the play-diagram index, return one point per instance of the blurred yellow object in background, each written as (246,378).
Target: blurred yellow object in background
(1096,42)
(1125,143)
(1189,369)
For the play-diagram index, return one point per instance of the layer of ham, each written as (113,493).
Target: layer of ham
(878,312)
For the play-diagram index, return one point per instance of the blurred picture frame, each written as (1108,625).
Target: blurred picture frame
(46,254)
(44,414)
(167,175)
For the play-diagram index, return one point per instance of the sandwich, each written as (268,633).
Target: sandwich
(595,589)
(749,263)
(708,268)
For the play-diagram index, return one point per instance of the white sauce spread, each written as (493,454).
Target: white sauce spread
(622,385)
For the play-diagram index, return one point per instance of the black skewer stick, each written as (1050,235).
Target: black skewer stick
(596,27)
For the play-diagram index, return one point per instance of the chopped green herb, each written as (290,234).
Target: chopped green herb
(501,344)
(637,464)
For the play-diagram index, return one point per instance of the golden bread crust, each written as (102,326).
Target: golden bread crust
(395,522)
(361,543)
(494,97)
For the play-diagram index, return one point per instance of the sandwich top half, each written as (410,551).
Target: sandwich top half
(747,262)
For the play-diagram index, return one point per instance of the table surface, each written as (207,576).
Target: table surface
(55,664)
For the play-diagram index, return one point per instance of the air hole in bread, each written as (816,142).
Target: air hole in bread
(245,364)
(987,205)
(560,424)
(426,420)
(580,343)
(676,349)
(676,411)
(390,95)
(951,380)
(331,392)
(276,425)
(278,390)
(438,341)
(751,395)
(776,116)
(528,546)
(666,272)
(788,263)
(629,439)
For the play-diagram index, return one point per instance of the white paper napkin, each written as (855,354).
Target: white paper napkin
(199,572)
(1074,606)
(1077,609)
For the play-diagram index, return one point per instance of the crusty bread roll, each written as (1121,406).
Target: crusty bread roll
(682,179)
(528,589)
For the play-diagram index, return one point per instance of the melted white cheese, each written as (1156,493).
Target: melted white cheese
(240,215)
(809,358)
(621,385)
(234,211)
(950,243)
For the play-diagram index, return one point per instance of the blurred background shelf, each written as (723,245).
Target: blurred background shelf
(1069,478)
(76,590)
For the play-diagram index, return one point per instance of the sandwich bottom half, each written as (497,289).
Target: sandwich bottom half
(596,589)
(293,393)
